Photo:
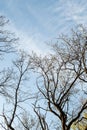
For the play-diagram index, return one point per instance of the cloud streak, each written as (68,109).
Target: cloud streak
(28,42)
(36,22)
(66,14)
(71,10)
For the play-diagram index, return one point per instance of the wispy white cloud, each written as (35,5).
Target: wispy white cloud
(72,10)
(67,13)
(28,42)
(37,22)
(77,12)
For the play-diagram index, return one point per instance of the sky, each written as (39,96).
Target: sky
(38,22)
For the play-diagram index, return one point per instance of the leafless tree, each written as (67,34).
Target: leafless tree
(62,77)
(17,92)
(13,82)
(28,122)
(61,80)
(7,45)
(7,39)
(7,42)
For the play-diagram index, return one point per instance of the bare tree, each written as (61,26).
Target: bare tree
(17,92)
(7,39)
(13,83)
(28,122)
(62,78)
(42,124)
(7,45)
(61,81)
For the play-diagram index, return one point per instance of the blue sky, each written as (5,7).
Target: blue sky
(36,22)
